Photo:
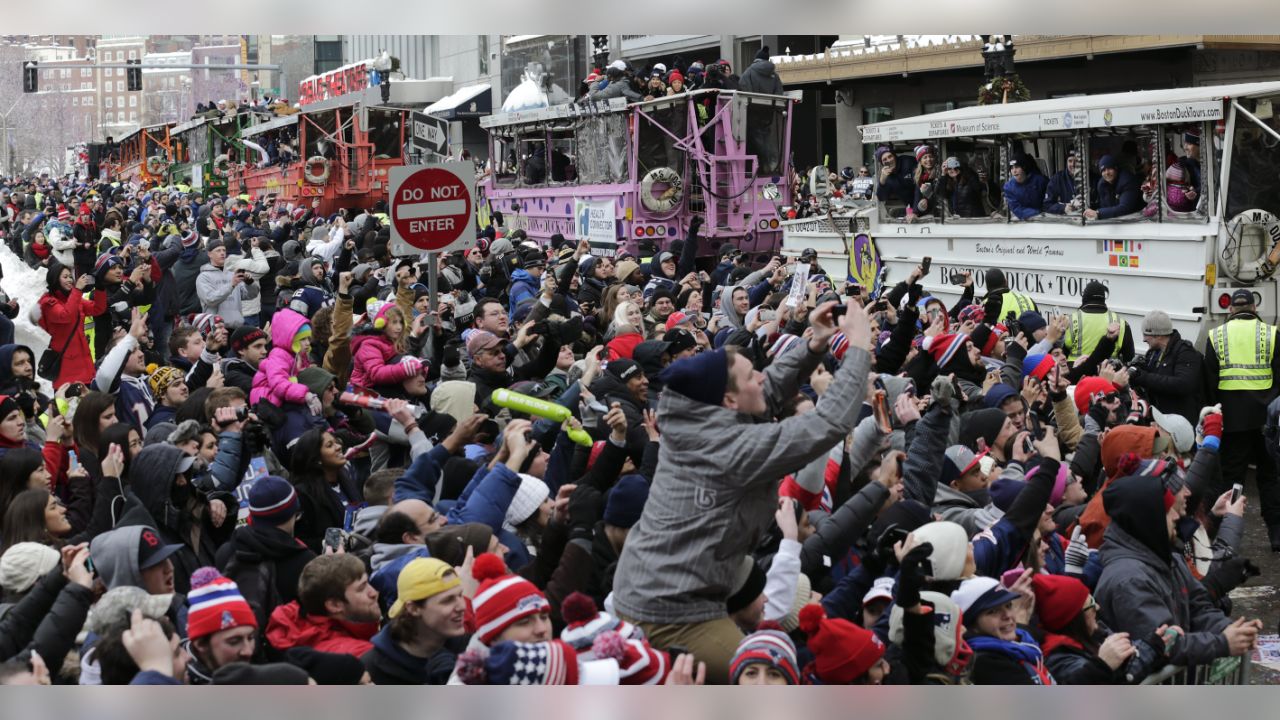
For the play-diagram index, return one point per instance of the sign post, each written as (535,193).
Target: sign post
(432,211)
(430,134)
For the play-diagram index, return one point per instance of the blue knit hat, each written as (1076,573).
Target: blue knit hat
(1038,366)
(998,393)
(703,377)
(1032,321)
(272,500)
(626,501)
(1004,491)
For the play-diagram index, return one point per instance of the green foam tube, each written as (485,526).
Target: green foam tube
(540,408)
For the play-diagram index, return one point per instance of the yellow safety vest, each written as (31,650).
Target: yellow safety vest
(1087,330)
(1244,348)
(1013,302)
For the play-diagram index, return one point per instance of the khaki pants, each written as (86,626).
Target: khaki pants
(713,642)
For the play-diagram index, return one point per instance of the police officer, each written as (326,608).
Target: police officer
(1000,300)
(1090,322)
(1241,364)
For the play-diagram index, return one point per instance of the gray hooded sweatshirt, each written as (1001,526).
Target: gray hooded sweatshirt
(115,556)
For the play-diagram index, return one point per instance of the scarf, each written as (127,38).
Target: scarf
(1024,650)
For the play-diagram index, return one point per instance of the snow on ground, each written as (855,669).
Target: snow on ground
(26,286)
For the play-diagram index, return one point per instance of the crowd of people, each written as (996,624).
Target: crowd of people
(251,452)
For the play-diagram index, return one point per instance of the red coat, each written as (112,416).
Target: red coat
(622,346)
(289,628)
(60,316)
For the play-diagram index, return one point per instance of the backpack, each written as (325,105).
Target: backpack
(257,583)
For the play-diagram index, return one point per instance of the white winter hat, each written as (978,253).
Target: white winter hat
(950,548)
(529,496)
(25,563)
(1178,427)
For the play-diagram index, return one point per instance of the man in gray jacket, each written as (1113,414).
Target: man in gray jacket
(221,290)
(716,487)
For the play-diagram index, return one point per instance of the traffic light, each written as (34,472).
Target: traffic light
(599,44)
(133,76)
(30,77)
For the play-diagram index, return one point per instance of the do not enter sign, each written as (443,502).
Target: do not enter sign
(432,208)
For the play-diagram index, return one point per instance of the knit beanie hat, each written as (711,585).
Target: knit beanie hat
(303,333)
(998,393)
(244,336)
(272,501)
(1004,491)
(584,622)
(984,337)
(803,597)
(1060,482)
(949,647)
(215,604)
(981,424)
(544,663)
(502,598)
(1032,321)
(976,313)
(1059,599)
(326,668)
(8,405)
(116,606)
(748,583)
(1038,366)
(24,563)
(950,548)
(768,646)
(316,378)
(842,651)
(1087,388)
(625,502)
(944,347)
(703,377)
(162,378)
(527,500)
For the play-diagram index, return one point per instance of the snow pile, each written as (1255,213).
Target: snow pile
(25,285)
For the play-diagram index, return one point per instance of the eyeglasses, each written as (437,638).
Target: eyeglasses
(1090,604)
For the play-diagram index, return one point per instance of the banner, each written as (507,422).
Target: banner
(596,220)
(864,262)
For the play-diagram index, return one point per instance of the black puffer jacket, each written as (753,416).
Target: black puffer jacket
(253,544)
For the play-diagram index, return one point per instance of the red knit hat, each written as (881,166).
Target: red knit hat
(944,347)
(842,651)
(1059,599)
(1087,388)
(215,604)
(502,598)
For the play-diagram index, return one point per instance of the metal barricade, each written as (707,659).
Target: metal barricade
(1223,671)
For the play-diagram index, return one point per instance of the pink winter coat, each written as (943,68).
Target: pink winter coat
(276,379)
(371,364)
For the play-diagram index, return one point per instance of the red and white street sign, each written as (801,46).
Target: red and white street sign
(432,208)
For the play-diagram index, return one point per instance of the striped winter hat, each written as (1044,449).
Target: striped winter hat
(839,345)
(769,646)
(785,342)
(190,239)
(944,347)
(162,378)
(502,598)
(272,501)
(976,313)
(106,261)
(215,604)
(585,622)
(204,323)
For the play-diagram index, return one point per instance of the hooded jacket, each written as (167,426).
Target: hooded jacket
(115,556)
(276,380)
(715,490)
(219,296)
(371,353)
(761,77)
(290,627)
(152,475)
(253,544)
(1144,585)
(388,664)
(185,272)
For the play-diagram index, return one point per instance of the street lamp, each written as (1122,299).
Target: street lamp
(997,56)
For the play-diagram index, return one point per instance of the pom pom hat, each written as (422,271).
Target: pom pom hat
(842,651)
(502,598)
(215,604)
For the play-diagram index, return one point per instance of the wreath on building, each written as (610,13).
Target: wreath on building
(1006,89)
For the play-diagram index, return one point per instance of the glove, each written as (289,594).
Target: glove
(586,506)
(411,365)
(695,222)
(1140,414)
(910,579)
(1100,414)
(452,355)
(942,390)
(313,404)
(1077,552)
(1211,428)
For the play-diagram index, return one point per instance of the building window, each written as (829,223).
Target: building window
(108,118)
(120,101)
(110,102)
(133,101)
(133,116)
(133,54)
(88,101)
(482,50)
(75,102)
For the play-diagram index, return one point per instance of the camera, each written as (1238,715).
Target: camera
(255,436)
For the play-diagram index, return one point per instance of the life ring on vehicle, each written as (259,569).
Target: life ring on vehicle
(670,198)
(316,178)
(1252,248)
(222,165)
(156,165)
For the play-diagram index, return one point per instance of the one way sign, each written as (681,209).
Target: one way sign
(430,134)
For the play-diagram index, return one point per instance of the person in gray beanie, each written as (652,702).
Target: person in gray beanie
(1171,375)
